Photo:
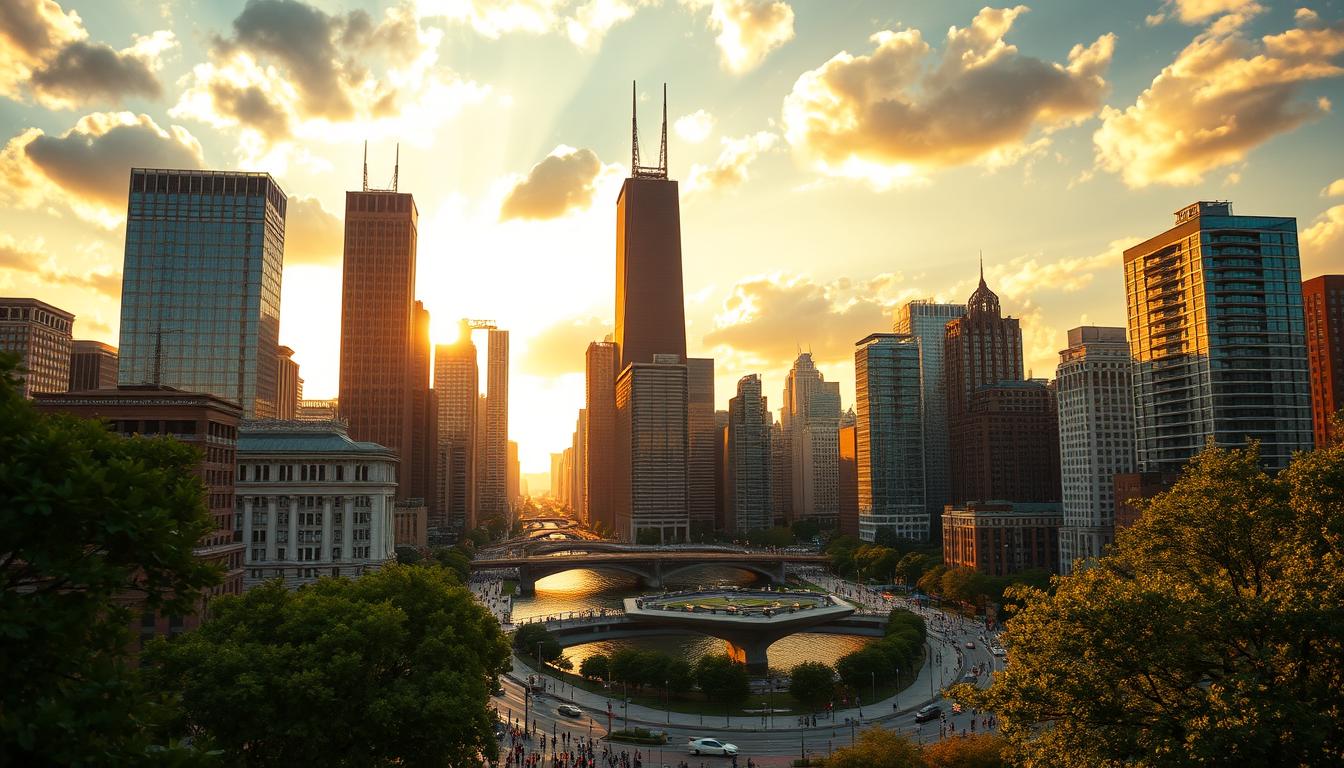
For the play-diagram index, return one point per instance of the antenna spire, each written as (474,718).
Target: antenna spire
(366,165)
(634,127)
(662,149)
(638,171)
(396,167)
(982,265)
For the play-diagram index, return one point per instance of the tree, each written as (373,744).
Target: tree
(625,666)
(679,675)
(529,637)
(911,566)
(596,667)
(878,748)
(722,679)
(395,667)
(965,584)
(648,537)
(804,531)
(932,580)
(983,750)
(97,529)
(1211,634)
(813,684)
(408,555)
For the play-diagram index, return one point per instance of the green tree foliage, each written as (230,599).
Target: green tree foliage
(878,748)
(529,637)
(722,679)
(898,650)
(1212,635)
(912,565)
(394,667)
(96,528)
(976,751)
(408,555)
(455,559)
(648,537)
(596,667)
(653,669)
(805,530)
(932,580)
(813,684)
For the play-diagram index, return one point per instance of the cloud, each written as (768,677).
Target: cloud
(1335,189)
(87,168)
(766,320)
(312,235)
(585,22)
(748,30)
(1224,95)
(730,169)
(695,127)
(885,118)
(27,258)
(1196,11)
(559,349)
(562,182)
(47,50)
(1024,276)
(1322,243)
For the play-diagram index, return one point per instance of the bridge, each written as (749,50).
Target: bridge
(651,567)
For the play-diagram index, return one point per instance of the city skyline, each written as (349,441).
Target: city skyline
(762,277)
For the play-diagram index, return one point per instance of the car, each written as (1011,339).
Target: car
(969,644)
(997,651)
(969,677)
(710,747)
(930,712)
(569,710)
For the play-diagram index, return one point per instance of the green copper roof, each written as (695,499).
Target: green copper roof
(304,442)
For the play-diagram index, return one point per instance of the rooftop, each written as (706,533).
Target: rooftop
(260,436)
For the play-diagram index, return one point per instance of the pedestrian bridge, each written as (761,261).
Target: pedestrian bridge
(651,567)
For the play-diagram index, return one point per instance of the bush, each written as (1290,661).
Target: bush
(596,667)
(527,637)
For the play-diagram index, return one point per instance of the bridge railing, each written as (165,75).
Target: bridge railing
(573,618)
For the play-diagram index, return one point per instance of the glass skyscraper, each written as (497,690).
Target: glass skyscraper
(889,431)
(200,291)
(1218,338)
(927,322)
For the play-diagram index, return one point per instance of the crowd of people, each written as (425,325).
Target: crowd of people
(488,589)
(519,749)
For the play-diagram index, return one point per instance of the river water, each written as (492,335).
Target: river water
(580,590)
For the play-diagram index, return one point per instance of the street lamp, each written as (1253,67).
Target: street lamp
(873,675)
(667,699)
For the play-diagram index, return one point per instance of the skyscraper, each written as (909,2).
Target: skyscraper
(456,387)
(1096,438)
(378,327)
(1218,338)
(781,472)
(650,313)
(40,335)
(492,495)
(700,421)
(848,487)
(580,447)
(513,480)
(200,286)
(423,476)
(652,497)
(93,365)
(889,433)
(927,322)
(1323,302)
(600,436)
(1011,436)
(812,425)
(288,385)
(748,505)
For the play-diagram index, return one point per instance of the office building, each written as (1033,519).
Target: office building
(1132,489)
(40,335)
(1011,437)
(410,523)
(747,483)
(927,322)
(579,491)
(456,387)
(848,491)
(512,479)
(379,362)
(722,517)
(1000,539)
(700,461)
(311,502)
(781,472)
(600,435)
(288,384)
(93,365)
(889,437)
(318,410)
(209,423)
(492,473)
(422,475)
(1096,438)
(652,487)
(811,422)
(200,286)
(1323,304)
(1218,338)
(650,310)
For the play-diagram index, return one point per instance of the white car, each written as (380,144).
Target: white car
(710,747)
(569,710)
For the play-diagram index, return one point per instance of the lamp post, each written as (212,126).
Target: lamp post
(873,675)
(667,699)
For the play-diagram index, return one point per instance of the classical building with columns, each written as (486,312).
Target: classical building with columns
(312,502)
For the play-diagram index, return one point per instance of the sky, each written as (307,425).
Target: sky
(836,158)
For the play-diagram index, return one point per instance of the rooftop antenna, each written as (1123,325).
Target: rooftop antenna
(396,167)
(366,165)
(982,265)
(634,126)
(640,171)
(662,149)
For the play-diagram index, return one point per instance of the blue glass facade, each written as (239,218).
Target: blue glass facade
(889,432)
(200,297)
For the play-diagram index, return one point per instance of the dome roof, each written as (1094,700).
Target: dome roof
(983,301)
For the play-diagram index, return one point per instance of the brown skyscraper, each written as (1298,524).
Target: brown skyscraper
(600,440)
(378,326)
(424,417)
(1323,301)
(650,313)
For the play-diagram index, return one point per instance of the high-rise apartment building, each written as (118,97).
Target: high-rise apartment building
(700,421)
(889,437)
(652,487)
(492,491)
(1218,338)
(981,348)
(1096,438)
(650,309)
(811,421)
(40,335)
(288,384)
(378,327)
(456,387)
(1323,303)
(93,365)
(600,434)
(748,505)
(927,322)
(200,286)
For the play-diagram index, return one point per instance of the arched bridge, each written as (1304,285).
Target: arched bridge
(652,567)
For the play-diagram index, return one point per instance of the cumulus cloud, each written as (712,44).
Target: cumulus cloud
(562,182)
(1225,94)
(885,117)
(27,258)
(312,234)
(730,169)
(87,168)
(1023,276)
(748,30)
(1335,189)
(559,349)
(47,50)
(695,127)
(585,22)
(1322,243)
(1196,11)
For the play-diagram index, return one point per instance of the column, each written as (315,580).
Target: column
(376,506)
(348,534)
(327,523)
(272,528)
(292,548)
(248,503)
